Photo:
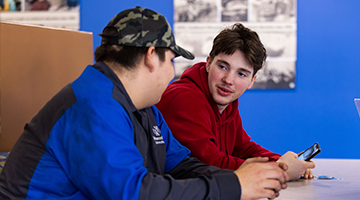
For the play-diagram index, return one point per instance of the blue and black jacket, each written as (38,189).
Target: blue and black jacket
(90,142)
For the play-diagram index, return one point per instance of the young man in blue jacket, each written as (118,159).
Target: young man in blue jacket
(101,137)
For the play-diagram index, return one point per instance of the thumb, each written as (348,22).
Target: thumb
(283,166)
(310,165)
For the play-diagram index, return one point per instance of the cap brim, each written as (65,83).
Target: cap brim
(182,52)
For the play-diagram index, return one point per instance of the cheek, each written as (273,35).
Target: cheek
(241,86)
(214,77)
(168,75)
(171,72)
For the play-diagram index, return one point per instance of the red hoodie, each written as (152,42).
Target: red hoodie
(195,121)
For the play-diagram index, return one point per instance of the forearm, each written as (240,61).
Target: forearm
(203,187)
(192,167)
(257,151)
(192,179)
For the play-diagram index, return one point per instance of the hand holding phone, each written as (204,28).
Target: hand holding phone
(309,153)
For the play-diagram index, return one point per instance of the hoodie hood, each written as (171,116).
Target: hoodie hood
(197,74)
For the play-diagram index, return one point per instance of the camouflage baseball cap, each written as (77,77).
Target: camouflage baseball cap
(141,27)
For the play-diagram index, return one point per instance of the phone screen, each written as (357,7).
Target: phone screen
(310,152)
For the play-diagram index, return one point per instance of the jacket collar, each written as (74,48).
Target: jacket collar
(109,73)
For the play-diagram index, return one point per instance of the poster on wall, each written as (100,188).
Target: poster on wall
(197,22)
(50,13)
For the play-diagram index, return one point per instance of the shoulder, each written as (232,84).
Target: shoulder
(181,94)
(94,94)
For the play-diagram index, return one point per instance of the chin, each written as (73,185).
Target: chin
(157,101)
(221,100)
(222,103)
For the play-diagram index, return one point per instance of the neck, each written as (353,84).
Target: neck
(221,108)
(133,82)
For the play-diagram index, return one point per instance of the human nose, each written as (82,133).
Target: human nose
(228,79)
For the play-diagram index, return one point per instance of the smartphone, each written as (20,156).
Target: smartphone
(309,153)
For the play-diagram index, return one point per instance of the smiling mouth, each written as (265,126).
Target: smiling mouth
(224,89)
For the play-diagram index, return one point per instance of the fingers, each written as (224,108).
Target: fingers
(261,179)
(295,168)
(278,174)
(268,193)
(283,166)
(287,177)
(276,177)
(273,191)
(275,171)
(273,185)
(308,174)
(311,176)
(277,194)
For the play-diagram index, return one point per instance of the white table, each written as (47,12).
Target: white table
(347,188)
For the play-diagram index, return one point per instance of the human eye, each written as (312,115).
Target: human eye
(223,67)
(242,74)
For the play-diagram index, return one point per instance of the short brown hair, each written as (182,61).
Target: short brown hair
(238,37)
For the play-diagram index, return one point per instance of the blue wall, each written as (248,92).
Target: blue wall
(321,108)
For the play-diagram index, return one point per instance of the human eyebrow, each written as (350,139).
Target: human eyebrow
(244,70)
(219,62)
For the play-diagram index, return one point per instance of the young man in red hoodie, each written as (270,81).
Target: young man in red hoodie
(201,108)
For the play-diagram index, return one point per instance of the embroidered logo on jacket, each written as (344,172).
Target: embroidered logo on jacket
(157,135)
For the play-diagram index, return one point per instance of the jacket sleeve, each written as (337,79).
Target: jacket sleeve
(190,120)
(227,181)
(191,179)
(188,178)
(100,144)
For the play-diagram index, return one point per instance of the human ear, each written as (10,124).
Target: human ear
(252,81)
(208,62)
(150,59)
